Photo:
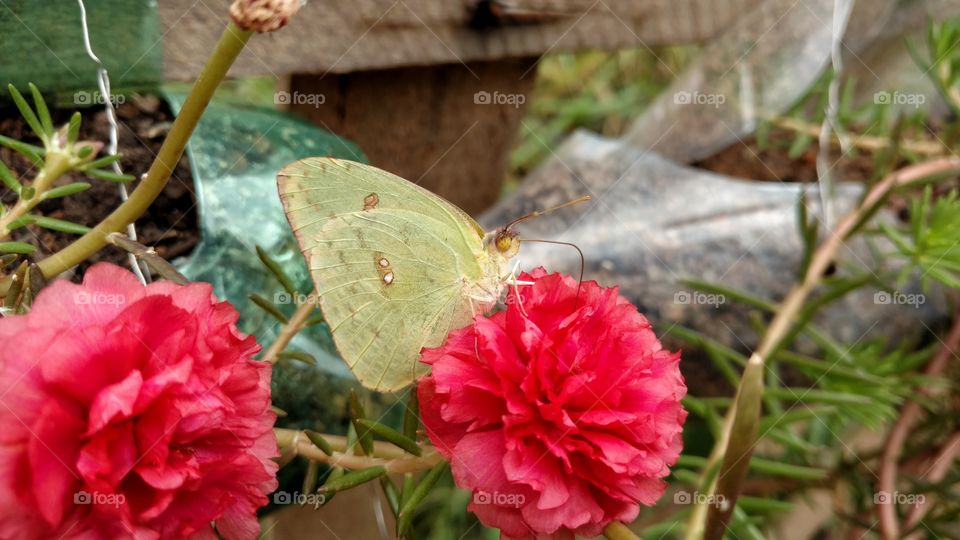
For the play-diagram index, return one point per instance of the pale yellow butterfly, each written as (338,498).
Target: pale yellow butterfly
(397,268)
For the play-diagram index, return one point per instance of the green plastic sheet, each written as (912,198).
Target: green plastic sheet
(235,154)
(42,42)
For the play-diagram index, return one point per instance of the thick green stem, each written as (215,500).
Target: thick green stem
(618,531)
(735,445)
(228,48)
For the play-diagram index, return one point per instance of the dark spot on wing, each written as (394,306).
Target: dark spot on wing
(371,201)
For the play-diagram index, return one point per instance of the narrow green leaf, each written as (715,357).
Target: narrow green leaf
(806,395)
(364,436)
(311,477)
(60,225)
(277,272)
(267,306)
(796,414)
(14,297)
(99,163)
(66,190)
(334,475)
(110,176)
(411,415)
(21,221)
(17,247)
(391,435)
(9,180)
(798,472)
(42,110)
(315,320)
(391,494)
(726,292)
(29,151)
(416,497)
(691,462)
(352,479)
(406,490)
(27,112)
(73,128)
(318,441)
(740,445)
(84,151)
(299,356)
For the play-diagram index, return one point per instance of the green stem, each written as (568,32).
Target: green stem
(619,531)
(228,48)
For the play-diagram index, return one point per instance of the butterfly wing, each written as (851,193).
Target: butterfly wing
(393,263)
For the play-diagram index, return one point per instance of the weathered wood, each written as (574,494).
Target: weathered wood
(329,36)
(439,126)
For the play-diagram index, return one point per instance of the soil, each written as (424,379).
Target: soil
(773,163)
(170,225)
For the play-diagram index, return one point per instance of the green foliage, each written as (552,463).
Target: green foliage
(600,91)
(931,241)
(60,153)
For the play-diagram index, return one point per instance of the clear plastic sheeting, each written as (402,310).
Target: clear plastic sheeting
(235,154)
(653,223)
(757,69)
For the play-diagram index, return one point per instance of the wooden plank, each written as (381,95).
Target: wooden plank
(448,128)
(341,37)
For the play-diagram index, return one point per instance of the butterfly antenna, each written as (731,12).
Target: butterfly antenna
(574,246)
(538,213)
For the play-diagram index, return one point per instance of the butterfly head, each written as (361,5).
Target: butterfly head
(506,242)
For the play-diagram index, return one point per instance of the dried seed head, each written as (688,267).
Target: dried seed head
(263,15)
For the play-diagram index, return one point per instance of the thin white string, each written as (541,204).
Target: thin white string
(103,82)
(841,16)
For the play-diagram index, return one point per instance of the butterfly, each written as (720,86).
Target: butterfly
(396,267)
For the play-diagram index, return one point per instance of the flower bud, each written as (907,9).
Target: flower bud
(263,15)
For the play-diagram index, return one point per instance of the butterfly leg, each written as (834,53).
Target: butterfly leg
(512,280)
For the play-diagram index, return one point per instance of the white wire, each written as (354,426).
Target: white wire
(841,15)
(103,82)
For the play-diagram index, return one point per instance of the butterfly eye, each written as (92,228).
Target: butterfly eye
(507,242)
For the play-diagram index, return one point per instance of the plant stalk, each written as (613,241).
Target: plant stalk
(391,458)
(228,48)
(289,330)
(736,443)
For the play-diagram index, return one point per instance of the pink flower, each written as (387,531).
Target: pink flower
(130,411)
(559,413)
